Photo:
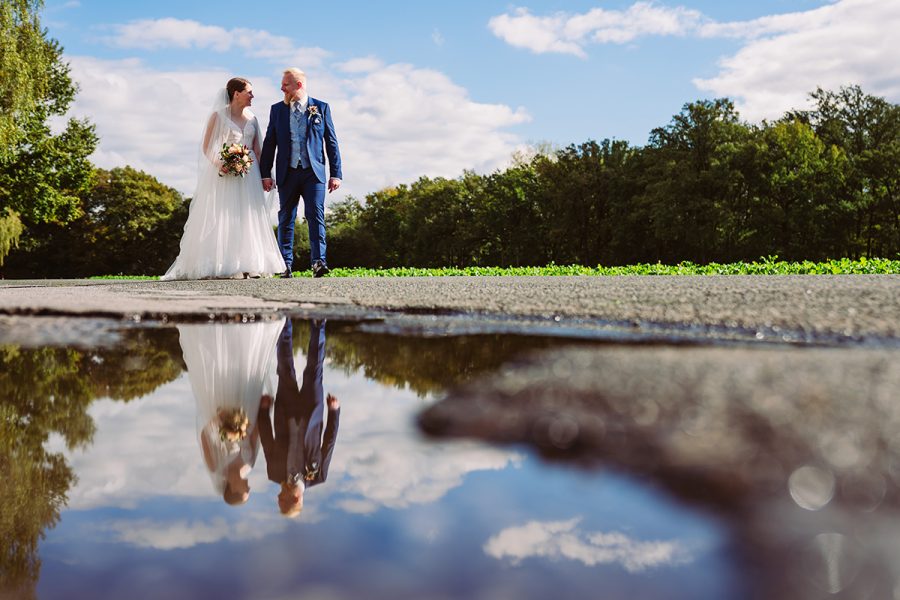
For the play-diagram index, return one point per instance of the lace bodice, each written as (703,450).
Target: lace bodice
(237,135)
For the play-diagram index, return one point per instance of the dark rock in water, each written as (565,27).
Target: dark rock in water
(798,450)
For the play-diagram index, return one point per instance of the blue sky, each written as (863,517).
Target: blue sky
(428,88)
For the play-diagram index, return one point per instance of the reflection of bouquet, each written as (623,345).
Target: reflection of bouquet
(236,160)
(233,423)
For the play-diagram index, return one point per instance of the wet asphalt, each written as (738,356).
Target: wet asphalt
(855,306)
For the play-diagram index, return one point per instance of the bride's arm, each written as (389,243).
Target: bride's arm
(208,150)
(256,142)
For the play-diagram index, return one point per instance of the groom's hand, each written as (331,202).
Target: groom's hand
(267,184)
(333,402)
(333,184)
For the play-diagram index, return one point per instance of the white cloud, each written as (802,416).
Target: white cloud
(400,122)
(538,34)
(848,42)
(437,37)
(365,64)
(784,57)
(561,540)
(380,461)
(395,122)
(170,535)
(142,449)
(155,34)
(150,119)
(568,34)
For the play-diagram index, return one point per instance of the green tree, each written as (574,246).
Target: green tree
(26,62)
(690,182)
(349,243)
(508,220)
(867,129)
(795,184)
(41,393)
(440,217)
(42,175)
(48,391)
(131,224)
(584,198)
(386,218)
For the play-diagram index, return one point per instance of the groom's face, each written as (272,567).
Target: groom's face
(291,87)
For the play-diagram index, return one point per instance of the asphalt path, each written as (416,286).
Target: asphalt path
(849,306)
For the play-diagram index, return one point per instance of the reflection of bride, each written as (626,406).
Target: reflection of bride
(230,367)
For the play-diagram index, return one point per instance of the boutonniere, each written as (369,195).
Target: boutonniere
(313,110)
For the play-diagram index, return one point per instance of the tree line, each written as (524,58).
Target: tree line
(814,184)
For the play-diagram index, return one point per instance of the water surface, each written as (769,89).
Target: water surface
(107,443)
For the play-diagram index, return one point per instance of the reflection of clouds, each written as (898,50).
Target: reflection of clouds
(561,539)
(148,448)
(380,459)
(143,449)
(170,535)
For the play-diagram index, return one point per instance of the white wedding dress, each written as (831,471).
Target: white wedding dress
(228,232)
(230,366)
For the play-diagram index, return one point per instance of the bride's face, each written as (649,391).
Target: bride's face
(244,98)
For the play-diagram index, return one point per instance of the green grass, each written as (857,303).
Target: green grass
(767,266)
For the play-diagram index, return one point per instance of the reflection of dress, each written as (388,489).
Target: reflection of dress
(230,366)
(228,232)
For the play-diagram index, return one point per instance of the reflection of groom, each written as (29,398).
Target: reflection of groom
(303,133)
(297,456)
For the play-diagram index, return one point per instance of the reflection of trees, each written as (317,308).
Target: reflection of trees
(142,362)
(424,365)
(48,391)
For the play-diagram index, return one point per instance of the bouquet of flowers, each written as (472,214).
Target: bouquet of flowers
(233,424)
(236,160)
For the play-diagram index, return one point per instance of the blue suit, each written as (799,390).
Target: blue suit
(295,182)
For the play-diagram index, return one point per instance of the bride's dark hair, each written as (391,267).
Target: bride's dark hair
(235,84)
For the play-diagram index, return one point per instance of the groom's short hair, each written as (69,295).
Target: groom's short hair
(297,74)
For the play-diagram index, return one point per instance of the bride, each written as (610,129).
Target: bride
(231,369)
(227,233)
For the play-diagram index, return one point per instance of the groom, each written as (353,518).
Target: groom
(302,131)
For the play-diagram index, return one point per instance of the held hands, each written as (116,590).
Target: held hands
(267,184)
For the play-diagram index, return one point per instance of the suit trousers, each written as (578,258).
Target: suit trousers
(301,183)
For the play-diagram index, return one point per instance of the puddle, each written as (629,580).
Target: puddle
(118,483)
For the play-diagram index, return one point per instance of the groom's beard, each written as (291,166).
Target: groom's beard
(287,99)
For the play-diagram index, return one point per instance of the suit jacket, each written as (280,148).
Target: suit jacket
(293,450)
(320,140)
